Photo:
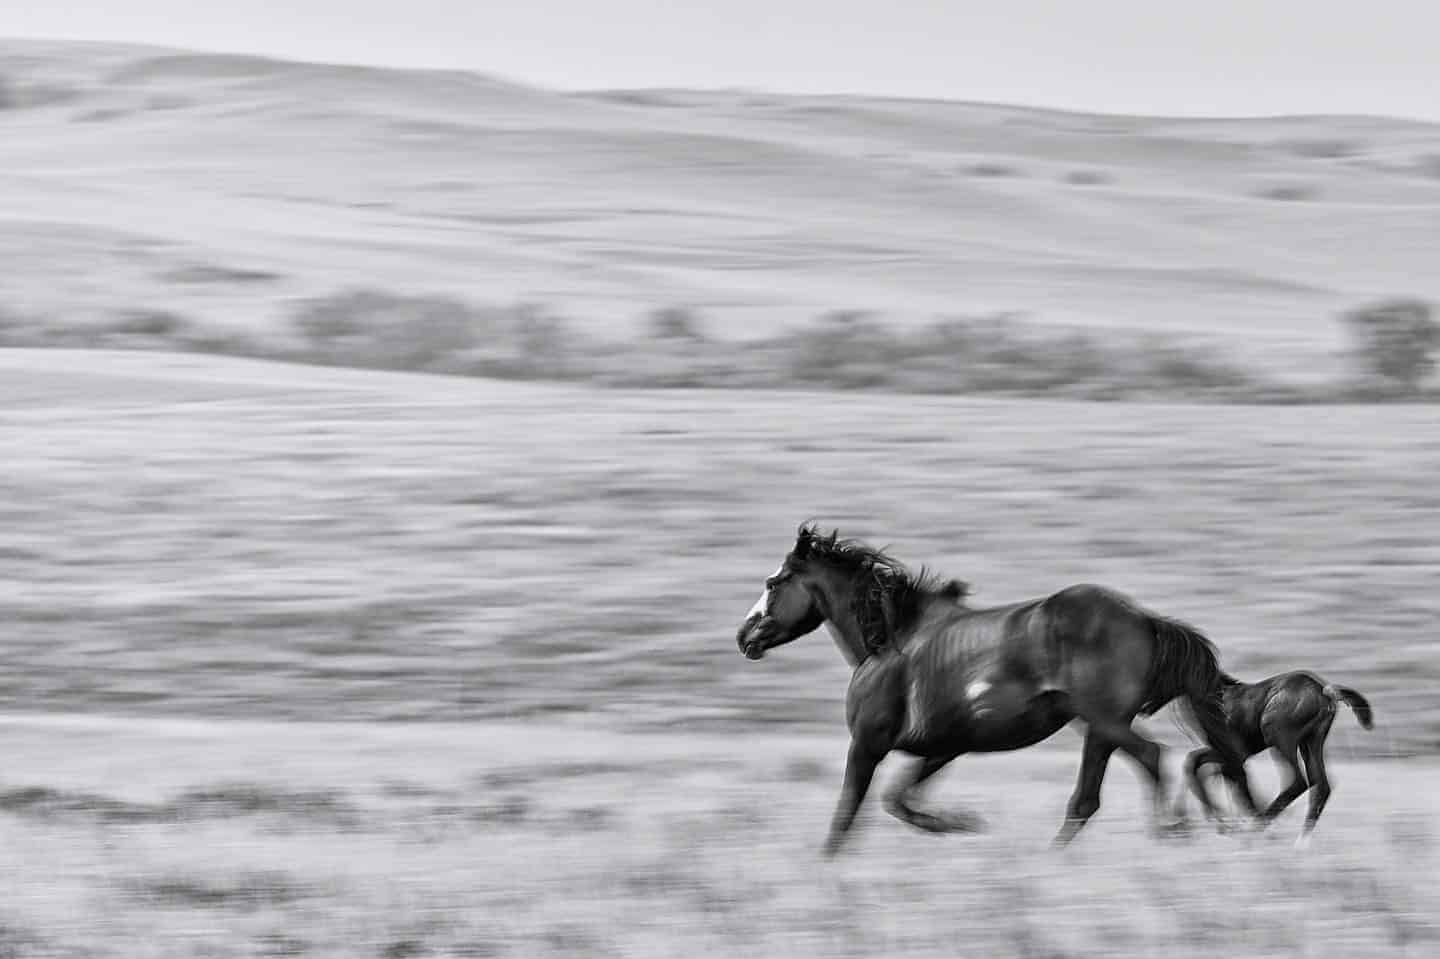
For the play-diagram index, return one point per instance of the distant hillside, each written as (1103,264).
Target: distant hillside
(226,186)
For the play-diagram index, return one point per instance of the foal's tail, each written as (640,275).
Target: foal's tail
(1348,696)
(1186,665)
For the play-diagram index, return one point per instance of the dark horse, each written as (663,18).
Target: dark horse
(1291,713)
(936,679)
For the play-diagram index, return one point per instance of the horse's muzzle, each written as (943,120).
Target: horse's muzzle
(751,637)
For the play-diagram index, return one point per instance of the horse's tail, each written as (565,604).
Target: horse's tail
(1187,665)
(1358,703)
(1184,664)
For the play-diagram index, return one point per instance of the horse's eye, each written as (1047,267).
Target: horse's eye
(774,581)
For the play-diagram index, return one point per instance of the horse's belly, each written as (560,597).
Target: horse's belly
(1004,717)
(1033,726)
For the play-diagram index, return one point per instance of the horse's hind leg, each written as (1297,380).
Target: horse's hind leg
(859,770)
(1144,751)
(1086,798)
(899,802)
(1312,750)
(1286,758)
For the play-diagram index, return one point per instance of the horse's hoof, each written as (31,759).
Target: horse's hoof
(1067,833)
(1302,842)
(1180,829)
(961,822)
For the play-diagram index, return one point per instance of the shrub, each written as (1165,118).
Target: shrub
(1393,342)
(1428,165)
(676,323)
(844,348)
(1324,148)
(159,324)
(545,346)
(371,328)
(1288,192)
(989,168)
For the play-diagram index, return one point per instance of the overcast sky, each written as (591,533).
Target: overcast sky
(1215,58)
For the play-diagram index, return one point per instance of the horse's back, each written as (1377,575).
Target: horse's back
(964,641)
(1088,644)
(1041,638)
(1088,601)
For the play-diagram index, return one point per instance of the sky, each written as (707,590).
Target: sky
(1210,58)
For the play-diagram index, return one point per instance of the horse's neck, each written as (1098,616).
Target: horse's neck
(841,622)
(842,643)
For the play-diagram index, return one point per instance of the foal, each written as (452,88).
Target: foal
(1292,714)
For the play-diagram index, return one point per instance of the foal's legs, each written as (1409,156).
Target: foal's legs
(1286,758)
(1195,762)
(1313,751)
(899,802)
(859,770)
(1234,770)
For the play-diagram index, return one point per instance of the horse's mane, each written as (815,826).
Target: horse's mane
(888,597)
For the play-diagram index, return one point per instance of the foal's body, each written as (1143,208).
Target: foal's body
(1292,714)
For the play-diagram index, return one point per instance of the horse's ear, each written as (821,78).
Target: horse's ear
(956,589)
(802,542)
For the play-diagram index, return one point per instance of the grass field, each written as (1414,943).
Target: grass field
(263,541)
(543,584)
(155,838)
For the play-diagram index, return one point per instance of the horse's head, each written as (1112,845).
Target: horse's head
(788,608)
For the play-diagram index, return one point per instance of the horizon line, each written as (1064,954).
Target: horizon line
(733,89)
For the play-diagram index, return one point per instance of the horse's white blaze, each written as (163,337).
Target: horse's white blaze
(762,605)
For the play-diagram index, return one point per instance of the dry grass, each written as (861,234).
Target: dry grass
(691,844)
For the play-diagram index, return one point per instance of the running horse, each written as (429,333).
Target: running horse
(937,679)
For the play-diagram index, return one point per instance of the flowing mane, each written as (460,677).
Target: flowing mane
(888,597)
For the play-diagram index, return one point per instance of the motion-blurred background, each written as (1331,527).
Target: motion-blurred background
(387,458)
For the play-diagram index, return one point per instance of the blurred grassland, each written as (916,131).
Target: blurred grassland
(258,540)
(547,579)
(535,840)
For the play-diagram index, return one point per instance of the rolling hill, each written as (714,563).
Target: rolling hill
(224,187)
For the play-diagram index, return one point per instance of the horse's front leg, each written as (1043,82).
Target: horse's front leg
(900,802)
(859,770)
